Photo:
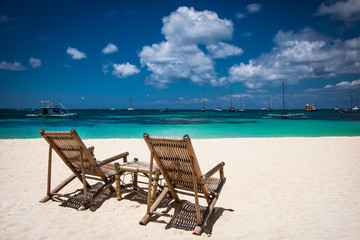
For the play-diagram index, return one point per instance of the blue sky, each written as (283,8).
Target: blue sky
(92,54)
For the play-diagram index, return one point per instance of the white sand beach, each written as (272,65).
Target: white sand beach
(277,188)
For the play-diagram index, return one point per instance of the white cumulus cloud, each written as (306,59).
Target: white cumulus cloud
(110,48)
(35,62)
(124,70)
(16,66)
(179,56)
(253,7)
(345,84)
(223,50)
(240,15)
(250,8)
(304,55)
(75,54)
(188,26)
(348,10)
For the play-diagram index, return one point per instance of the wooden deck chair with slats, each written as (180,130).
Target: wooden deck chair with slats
(83,164)
(177,162)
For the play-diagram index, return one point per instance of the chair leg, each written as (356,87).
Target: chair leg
(118,184)
(58,188)
(198,229)
(107,185)
(154,190)
(153,208)
(135,181)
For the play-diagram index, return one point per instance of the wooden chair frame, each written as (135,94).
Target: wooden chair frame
(71,149)
(135,168)
(178,164)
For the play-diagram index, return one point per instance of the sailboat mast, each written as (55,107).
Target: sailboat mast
(239,101)
(130,100)
(231,97)
(283,98)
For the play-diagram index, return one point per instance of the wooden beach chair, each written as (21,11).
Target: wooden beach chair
(81,161)
(178,164)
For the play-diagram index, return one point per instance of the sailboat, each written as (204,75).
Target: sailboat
(284,114)
(231,109)
(240,108)
(348,110)
(130,107)
(356,108)
(218,109)
(203,107)
(268,108)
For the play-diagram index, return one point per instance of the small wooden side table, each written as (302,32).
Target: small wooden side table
(135,167)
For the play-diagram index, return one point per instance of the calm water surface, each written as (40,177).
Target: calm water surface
(201,125)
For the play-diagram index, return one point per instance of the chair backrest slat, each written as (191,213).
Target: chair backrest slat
(178,161)
(71,149)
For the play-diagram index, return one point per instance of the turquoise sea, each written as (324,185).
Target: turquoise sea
(199,125)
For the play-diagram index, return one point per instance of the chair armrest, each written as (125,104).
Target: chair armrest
(111,159)
(213,171)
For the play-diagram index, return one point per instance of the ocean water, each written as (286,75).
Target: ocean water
(199,125)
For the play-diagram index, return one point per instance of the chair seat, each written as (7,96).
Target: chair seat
(108,169)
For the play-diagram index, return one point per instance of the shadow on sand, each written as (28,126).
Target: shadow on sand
(184,213)
(76,199)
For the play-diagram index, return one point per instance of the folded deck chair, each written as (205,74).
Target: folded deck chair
(81,161)
(177,162)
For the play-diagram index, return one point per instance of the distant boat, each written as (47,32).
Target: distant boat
(284,114)
(130,107)
(345,110)
(203,107)
(310,108)
(268,108)
(348,110)
(218,109)
(231,109)
(356,108)
(50,110)
(240,109)
(165,110)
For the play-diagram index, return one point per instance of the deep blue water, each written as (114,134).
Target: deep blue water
(208,124)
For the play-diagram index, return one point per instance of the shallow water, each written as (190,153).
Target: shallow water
(201,125)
